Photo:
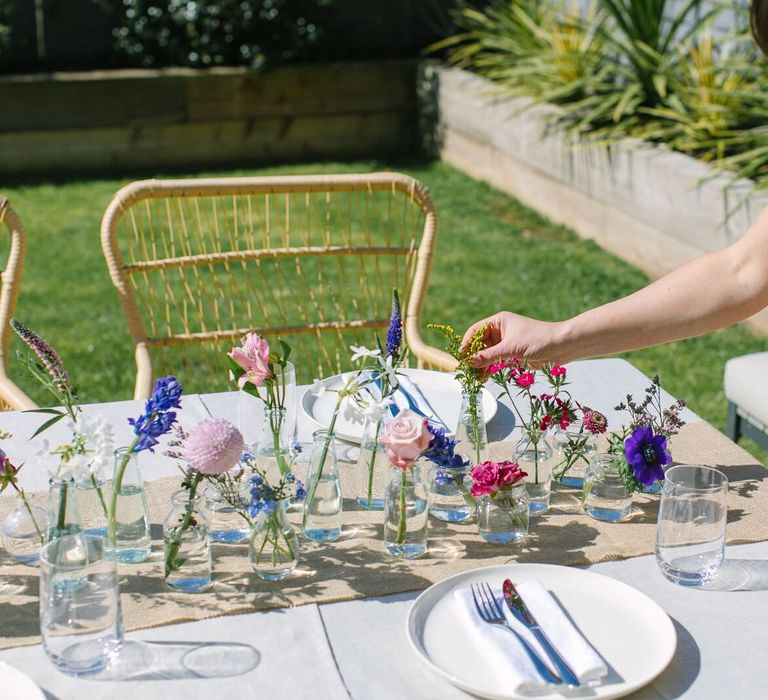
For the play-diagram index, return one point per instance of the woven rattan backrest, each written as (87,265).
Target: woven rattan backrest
(11,396)
(311,259)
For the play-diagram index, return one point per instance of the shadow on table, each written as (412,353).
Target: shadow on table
(155,661)
(740,575)
(684,667)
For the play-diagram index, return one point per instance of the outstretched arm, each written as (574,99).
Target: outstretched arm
(710,292)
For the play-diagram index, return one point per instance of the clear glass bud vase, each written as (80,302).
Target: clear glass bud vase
(535,457)
(273,456)
(373,463)
(274,545)
(504,517)
(449,497)
(323,505)
(406,503)
(24,531)
(605,496)
(187,548)
(63,516)
(91,501)
(128,523)
(470,431)
(227,524)
(575,447)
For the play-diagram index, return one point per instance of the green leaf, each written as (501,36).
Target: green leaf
(47,425)
(285,348)
(52,411)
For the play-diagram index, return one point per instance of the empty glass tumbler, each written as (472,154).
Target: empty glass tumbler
(690,532)
(80,621)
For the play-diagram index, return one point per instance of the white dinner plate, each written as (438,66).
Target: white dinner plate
(630,631)
(17,685)
(440,388)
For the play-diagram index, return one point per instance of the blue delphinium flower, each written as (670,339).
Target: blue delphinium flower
(647,454)
(441,450)
(157,419)
(395,330)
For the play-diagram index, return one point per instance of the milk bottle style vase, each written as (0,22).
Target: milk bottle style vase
(188,566)
(323,505)
(128,532)
(470,432)
(372,463)
(406,504)
(273,548)
(534,455)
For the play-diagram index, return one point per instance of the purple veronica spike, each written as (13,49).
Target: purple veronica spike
(45,353)
(395,331)
(646,454)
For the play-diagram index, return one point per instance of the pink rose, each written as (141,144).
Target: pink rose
(485,477)
(510,473)
(405,438)
(253,357)
(213,446)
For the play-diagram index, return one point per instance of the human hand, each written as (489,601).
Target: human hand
(511,335)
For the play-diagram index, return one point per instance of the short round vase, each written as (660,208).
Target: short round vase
(449,497)
(274,545)
(605,496)
(24,531)
(535,458)
(504,517)
(582,444)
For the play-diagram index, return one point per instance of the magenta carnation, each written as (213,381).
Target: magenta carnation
(213,446)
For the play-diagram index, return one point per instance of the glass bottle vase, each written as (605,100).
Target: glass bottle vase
(449,497)
(227,524)
(92,504)
(187,549)
(323,504)
(535,457)
(128,524)
(406,504)
(273,548)
(504,517)
(63,516)
(575,447)
(24,531)
(373,462)
(471,435)
(250,409)
(605,496)
(273,456)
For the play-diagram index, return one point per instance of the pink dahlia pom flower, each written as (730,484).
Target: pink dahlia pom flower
(489,477)
(213,446)
(253,357)
(405,438)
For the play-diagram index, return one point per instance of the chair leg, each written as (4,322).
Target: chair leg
(733,423)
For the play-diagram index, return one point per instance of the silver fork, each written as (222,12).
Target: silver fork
(489,610)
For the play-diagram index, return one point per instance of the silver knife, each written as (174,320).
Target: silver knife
(521,612)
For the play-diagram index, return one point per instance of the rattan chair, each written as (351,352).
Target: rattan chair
(12,398)
(311,259)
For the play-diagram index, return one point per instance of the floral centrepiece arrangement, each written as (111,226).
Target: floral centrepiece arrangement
(635,457)
(273,548)
(82,461)
(470,431)
(503,512)
(405,504)
(262,372)
(210,450)
(545,411)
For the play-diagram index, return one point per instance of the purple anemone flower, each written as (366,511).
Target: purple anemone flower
(646,454)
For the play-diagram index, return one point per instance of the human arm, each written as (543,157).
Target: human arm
(710,292)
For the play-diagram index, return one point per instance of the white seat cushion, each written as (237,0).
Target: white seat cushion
(746,384)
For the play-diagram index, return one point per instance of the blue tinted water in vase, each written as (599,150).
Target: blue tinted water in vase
(513,537)
(322,512)
(373,504)
(407,550)
(229,536)
(190,584)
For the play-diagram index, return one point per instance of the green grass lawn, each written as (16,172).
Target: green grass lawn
(492,253)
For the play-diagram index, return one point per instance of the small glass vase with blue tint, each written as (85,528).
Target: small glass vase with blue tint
(504,517)
(188,566)
(575,447)
(471,434)
(535,457)
(128,528)
(63,515)
(373,462)
(606,496)
(227,524)
(92,504)
(273,549)
(323,505)
(450,499)
(24,531)
(406,506)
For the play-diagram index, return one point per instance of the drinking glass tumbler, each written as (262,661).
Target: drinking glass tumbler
(80,619)
(690,532)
